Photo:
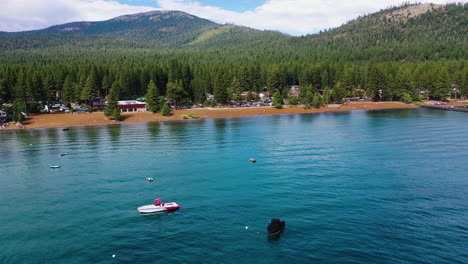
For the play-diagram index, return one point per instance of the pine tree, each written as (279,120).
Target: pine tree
(176,93)
(165,110)
(306,96)
(152,98)
(404,83)
(236,90)
(374,84)
(67,91)
(220,88)
(250,97)
(245,81)
(112,101)
(18,108)
(317,102)
(278,100)
(106,84)
(89,90)
(338,93)
(116,114)
(464,83)
(325,79)
(276,79)
(20,90)
(326,96)
(33,87)
(49,91)
(347,82)
(442,85)
(198,87)
(3,92)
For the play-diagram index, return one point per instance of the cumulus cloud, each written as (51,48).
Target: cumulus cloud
(293,16)
(20,15)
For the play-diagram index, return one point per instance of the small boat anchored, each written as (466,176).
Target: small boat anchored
(54,166)
(252,160)
(158,206)
(276,227)
(149,179)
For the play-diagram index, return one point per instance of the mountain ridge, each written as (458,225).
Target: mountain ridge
(406,31)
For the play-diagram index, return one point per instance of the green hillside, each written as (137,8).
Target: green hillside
(409,52)
(158,29)
(405,32)
(410,32)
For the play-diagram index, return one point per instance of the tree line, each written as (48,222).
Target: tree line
(184,84)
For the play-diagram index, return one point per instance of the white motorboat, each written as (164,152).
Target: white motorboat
(158,206)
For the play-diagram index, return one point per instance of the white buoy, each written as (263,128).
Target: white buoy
(113,255)
(246,227)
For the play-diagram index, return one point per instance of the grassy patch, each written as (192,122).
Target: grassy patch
(212,33)
(191,116)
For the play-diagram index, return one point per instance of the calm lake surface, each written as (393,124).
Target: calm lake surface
(356,187)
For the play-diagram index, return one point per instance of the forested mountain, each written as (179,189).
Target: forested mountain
(406,32)
(401,53)
(156,29)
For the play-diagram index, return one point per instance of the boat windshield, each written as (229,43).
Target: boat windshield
(157,201)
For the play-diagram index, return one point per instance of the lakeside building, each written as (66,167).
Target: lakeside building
(264,96)
(4,117)
(132,106)
(295,90)
(98,104)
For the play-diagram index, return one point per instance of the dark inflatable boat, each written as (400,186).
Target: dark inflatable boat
(276,226)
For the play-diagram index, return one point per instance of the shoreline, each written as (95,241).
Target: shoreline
(62,120)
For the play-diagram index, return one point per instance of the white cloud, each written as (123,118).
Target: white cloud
(20,15)
(293,16)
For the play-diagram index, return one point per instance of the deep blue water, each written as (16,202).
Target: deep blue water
(355,187)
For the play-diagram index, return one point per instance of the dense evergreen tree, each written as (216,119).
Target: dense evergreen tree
(249,97)
(116,114)
(276,79)
(442,85)
(307,95)
(326,96)
(19,107)
(278,100)
(236,90)
(198,86)
(338,93)
(317,101)
(220,91)
(165,110)
(112,109)
(67,91)
(175,93)
(152,98)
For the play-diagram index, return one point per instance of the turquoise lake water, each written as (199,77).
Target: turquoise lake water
(355,187)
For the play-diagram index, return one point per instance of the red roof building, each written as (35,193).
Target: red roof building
(132,106)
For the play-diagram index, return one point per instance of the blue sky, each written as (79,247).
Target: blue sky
(295,17)
(238,6)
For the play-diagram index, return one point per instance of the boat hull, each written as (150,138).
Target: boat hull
(276,227)
(151,208)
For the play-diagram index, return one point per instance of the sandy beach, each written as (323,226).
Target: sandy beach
(90,119)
